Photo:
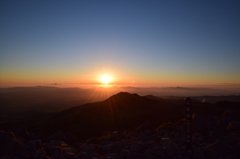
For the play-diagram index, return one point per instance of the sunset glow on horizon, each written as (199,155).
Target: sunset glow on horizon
(147,43)
(106,79)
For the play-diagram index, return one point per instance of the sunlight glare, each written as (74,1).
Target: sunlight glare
(106,79)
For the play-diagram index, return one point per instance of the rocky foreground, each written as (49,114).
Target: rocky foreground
(213,137)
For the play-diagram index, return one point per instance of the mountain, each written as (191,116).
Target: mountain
(126,126)
(119,112)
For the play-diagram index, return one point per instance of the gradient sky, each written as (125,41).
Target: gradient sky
(174,43)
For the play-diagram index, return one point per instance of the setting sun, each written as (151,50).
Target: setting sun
(106,79)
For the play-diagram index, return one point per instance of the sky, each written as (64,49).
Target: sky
(150,43)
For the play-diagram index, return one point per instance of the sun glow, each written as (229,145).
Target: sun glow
(106,79)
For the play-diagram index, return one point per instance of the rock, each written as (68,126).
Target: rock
(9,143)
(135,155)
(235,150)
(182,142)
(232,156)
(148,154)
(164,142)
(164,132)
(67,156)
(40,155)
(158,139)
(87,155)
(22,132)
(117,147)
(167,126)
(219,133)
(53,148)
(135,147)
(229,112)
(234,125)
(148,132)
(220,147)
(198,137)
(30,148)
(144,126)
(63,136)
(53,144)
(88,148)
(212,137)
(199,123)
(124,153)
(112,156)
(35,144)
(198,154)
(145,145)
(69,138)
(210,153)
(106,148)
(59,136)
(93,140)
(169,151)
(56,155)
(115,135)
(176,134)
(158,151)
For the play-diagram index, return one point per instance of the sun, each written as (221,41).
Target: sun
(106,79)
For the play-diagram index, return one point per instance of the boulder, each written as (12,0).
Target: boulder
(210,153)
(116,135)
(34,144)
(53,144)
(93,140)
(9,143)
(234,125)
(198,154)
(198,137)
(146,125)
(158,151)
(135,155)
(30,148)
(106,148)
(40,155)
(199,123)
(171,149)
(91,148)
(135,147)
(220,147)
(164,142)
(124,153)
(158,139)
(54,148)
(117,147)
(87,155)
(148,154)
(67,156)
(112,156)
(22,132)
(63,136)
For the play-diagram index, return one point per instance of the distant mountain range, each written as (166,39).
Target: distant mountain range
(127,111)
(124,122)
(54,99)
(120,111)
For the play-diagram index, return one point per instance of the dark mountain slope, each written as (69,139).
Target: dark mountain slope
(125,111)
(119,112)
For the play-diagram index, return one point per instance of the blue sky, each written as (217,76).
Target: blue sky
(146,41)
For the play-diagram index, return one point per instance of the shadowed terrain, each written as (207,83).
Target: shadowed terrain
(119,112)
(124,125)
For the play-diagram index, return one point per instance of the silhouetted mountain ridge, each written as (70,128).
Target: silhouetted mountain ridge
(157,127)
(120,111)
